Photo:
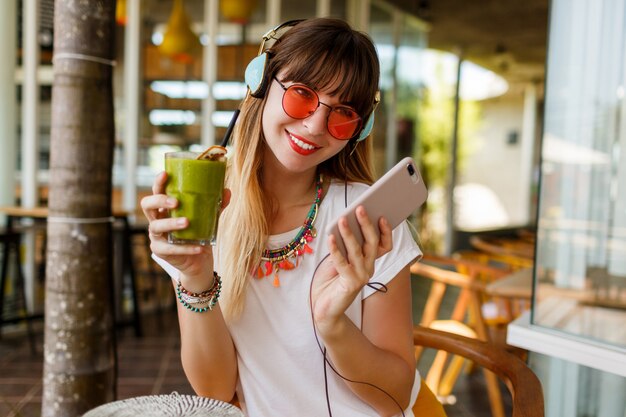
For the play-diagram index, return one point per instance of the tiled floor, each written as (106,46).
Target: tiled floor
(151,365)
(147,365)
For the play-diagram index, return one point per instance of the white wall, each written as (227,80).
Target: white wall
(497,165)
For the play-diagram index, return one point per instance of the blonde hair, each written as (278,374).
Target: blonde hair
(338,51)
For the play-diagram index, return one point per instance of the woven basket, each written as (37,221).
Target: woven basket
(173,405)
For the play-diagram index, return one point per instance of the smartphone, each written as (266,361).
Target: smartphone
(394,196)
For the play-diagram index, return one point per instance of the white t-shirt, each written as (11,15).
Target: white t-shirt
(281,366)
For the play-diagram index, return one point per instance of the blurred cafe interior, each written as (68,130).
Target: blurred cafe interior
(513,111)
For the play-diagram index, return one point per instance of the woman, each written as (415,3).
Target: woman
(297,332)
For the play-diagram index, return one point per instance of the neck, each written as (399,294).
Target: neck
(290,189)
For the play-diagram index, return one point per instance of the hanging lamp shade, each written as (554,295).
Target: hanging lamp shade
(120,12)
(238,11)
(180,43)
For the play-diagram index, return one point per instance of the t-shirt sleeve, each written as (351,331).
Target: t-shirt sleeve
(405,251)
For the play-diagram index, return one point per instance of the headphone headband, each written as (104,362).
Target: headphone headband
(255,77)
(276,33)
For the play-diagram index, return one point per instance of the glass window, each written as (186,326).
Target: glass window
(581,256)
(381,31)
(400,41)
(580,271)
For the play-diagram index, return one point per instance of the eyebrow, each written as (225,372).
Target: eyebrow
(340,104)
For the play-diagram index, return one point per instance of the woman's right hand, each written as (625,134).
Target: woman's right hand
(195,262)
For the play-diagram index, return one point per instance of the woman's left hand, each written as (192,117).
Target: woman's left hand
(339,279)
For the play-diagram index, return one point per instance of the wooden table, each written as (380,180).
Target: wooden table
(515,290)
(17,211)
(14,213)
(43,212)
(518,284)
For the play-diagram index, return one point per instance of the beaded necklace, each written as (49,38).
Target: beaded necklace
(273,260)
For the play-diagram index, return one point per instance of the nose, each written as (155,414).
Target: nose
(316,123)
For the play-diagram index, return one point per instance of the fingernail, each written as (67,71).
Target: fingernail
(170,202)
(181,221)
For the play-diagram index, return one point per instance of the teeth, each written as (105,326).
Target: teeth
(301,144)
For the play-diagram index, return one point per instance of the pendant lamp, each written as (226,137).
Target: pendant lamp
(237,11)
(120,12)
(180,43)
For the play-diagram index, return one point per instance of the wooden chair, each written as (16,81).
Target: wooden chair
(503,261)
(497,266)
(498,310)
(466,320)
(518,253)
(523,384)
(16,307)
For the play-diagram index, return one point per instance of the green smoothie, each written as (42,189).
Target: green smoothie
(197,184)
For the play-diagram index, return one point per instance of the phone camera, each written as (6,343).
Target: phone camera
(411,170)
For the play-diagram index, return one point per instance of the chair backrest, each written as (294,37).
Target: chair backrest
(464,282)
(516,253)
(497,310)
(466,278)
(523,384)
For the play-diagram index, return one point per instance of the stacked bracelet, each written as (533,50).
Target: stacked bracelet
(203,301)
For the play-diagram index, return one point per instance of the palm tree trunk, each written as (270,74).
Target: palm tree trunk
(79,359)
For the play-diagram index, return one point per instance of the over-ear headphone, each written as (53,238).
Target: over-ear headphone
(257,80)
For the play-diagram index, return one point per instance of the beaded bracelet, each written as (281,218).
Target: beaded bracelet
(197,298)
(192,301)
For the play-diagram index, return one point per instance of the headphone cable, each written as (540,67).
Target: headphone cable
(376,286)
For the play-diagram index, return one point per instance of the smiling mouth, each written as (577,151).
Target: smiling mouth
(301,144)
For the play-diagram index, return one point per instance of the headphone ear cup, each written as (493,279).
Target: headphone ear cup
(255,75)
(367,129)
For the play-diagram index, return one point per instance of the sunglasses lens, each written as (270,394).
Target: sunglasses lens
(343,123)
(300,102)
